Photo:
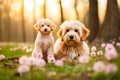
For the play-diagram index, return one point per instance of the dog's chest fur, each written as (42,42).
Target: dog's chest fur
(44,41)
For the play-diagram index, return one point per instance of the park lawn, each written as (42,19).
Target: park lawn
(69,71)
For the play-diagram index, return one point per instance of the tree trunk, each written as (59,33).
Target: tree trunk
(93,20)
(110,28)
(23,25)
(0,22)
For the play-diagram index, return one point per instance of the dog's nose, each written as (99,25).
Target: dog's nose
(45,29)
(71,37)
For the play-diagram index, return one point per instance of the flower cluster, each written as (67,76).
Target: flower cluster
(94,51)
(23,48)
(100,66)
(2,57)
(26,62)
(110,52)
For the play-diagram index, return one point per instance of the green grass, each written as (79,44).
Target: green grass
(70,70)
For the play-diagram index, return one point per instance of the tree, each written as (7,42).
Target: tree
(0,20)
(93,19)
(110,28)
(23,25)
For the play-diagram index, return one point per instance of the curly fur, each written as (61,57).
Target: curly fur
(44,42)
(71,47)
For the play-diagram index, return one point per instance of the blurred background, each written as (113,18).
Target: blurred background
(17,17)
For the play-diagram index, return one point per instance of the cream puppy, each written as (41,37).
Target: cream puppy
(71,42)
(44,42)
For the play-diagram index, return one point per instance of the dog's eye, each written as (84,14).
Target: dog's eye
(76,30)
(48,25)
(67,30)
(42,25)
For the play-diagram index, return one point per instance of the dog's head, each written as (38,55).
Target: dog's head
(73,32)
(45,26)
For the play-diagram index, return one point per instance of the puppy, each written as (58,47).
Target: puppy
(71,42)
(44,42)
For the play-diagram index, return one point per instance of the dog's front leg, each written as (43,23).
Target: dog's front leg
(50,50)
(36,50)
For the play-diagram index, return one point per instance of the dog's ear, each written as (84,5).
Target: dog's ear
(36,26)
(53,27)
(59,33)
(85,33)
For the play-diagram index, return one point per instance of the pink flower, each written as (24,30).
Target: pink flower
(111,55)
(99,66)
(24,60)
(39,55)
(93,54)
(118,44)
(84,59)
(111,68)
(63,59)
(93,48)
(32,60)
(103,45)
(109,47)
(40,62)
(58,63)
(51,58)
(99,53)
(2,57)
(23,69)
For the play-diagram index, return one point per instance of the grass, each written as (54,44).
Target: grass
(70,70)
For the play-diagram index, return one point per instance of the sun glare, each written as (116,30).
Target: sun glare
(28,5)
(16,6)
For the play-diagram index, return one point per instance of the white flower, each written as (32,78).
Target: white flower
(93,48)
(93,54)
(103,45)
(2,57)
(100,53)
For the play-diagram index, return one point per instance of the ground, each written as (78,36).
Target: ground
(69,71)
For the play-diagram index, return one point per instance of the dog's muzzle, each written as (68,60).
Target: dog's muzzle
(71,37)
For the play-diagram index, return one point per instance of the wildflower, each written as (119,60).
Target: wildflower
(93,54)
(32,60)
(40,62)
(39,55)
(23,69)
(111,55)
(84,59)
(93,48)
(24,60)
(103,45)
(111,68)
(63,59)
(99,53)
(118,44)
(2,57)
(99,66)
(51,58)
(109,47)
(58,63)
